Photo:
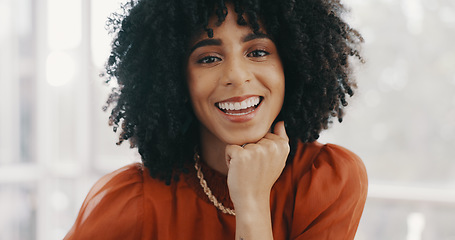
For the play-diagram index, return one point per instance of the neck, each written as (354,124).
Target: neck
(212,151)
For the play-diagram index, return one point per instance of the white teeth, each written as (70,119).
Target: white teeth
(247,103)
(243,105)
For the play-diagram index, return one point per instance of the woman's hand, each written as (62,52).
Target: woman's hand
(254,168)
(252,172)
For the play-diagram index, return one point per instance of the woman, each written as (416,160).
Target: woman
(206,90)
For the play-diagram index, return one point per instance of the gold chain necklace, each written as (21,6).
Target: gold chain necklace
(206,188)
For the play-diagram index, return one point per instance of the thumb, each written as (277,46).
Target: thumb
(280,130)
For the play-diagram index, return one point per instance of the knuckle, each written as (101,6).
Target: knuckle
(287,147)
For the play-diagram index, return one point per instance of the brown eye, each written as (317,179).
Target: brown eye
(209,59)
(258,53)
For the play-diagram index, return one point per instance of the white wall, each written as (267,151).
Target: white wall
(56,143)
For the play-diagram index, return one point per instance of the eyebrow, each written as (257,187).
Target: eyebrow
(218,42)
(253,36)
(206,42)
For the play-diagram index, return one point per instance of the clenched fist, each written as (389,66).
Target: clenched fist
(254,168)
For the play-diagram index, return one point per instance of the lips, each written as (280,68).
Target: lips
(239,105)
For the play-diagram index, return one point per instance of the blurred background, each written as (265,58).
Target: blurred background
(56,142)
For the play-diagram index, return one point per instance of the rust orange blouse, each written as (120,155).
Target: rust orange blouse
(320,195)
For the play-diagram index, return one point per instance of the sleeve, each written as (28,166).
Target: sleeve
(112,208)
(330,197)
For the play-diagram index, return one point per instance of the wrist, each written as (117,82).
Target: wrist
(252,206)
(250,198)
(253,220)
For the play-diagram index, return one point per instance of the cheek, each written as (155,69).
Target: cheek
(193,85)
(277,83)
(275,76)
(279,76)
(200,89)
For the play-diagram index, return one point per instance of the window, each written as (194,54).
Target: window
(56,143)
(401,121)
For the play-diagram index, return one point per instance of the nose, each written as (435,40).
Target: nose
(236,72)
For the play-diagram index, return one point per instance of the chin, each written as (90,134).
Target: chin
(246,137)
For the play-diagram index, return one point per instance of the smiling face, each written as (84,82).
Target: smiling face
(236,82)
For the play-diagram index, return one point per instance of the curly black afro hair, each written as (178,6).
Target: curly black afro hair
(150,51)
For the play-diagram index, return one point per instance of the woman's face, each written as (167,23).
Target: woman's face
(235,81)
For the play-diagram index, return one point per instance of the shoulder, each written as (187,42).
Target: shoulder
(125,176)
(329,158)
(331,170)
(113,205)
(118,185)
(330,185)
